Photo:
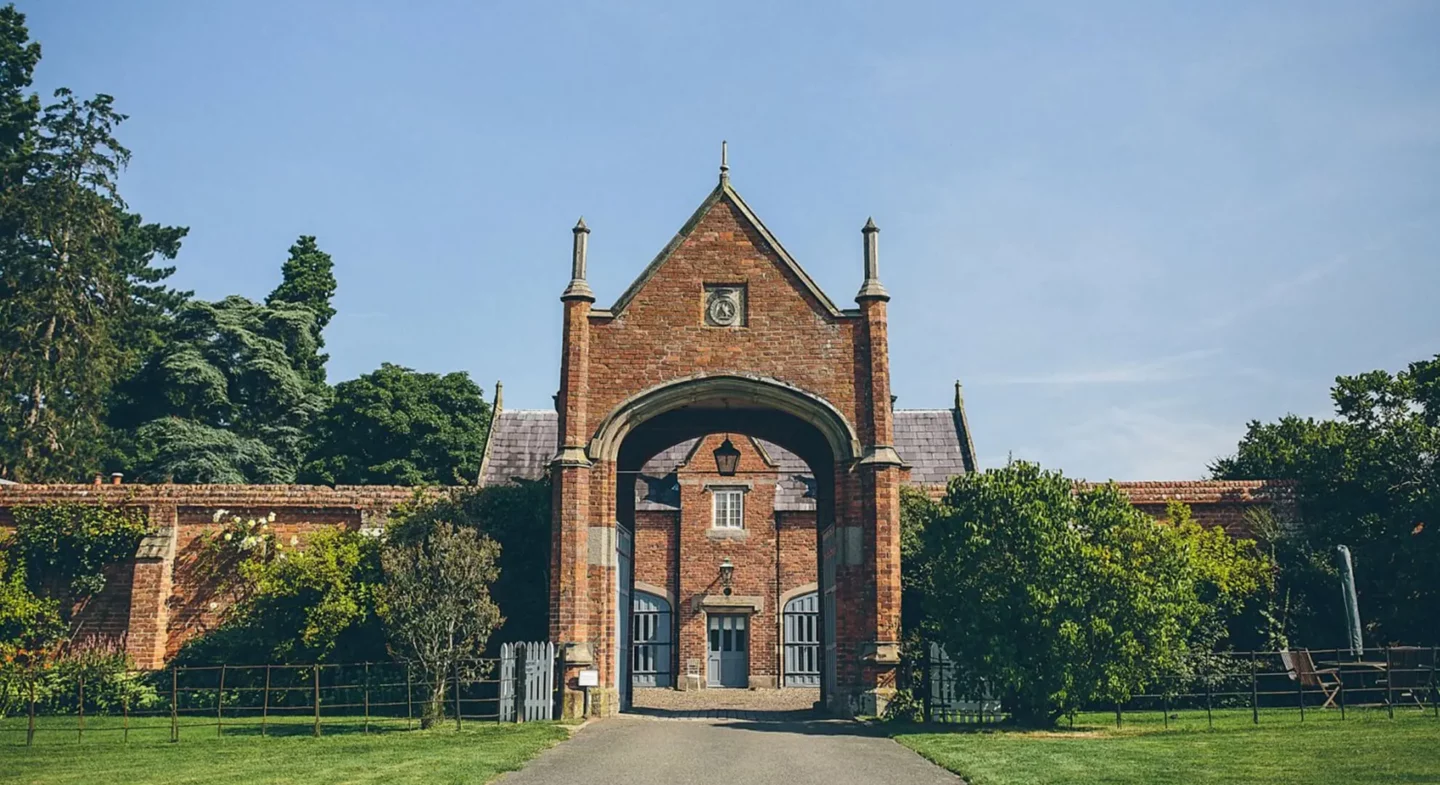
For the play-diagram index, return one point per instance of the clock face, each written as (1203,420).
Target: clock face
(723,310)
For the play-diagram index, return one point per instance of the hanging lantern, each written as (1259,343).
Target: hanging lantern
(727,571)
(727,459)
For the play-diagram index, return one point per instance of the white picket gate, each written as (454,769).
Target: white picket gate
(527,681)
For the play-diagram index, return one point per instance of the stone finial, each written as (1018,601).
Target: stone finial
(872,289)
(499,396)
(724,162)
(959,396)
(578,288)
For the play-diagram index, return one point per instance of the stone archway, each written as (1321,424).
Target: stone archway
(723,330)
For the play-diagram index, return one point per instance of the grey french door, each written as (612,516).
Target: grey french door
(650,651)
(802,641)
(729,662)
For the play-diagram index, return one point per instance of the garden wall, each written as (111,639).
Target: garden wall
(157,601)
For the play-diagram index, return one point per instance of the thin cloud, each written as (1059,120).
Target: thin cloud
(1165,369)
(1146,443)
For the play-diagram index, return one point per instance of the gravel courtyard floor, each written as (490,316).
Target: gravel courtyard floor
(787,704)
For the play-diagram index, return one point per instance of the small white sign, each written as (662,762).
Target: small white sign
(590,678)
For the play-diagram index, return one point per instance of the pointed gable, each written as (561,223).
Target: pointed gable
(725,198)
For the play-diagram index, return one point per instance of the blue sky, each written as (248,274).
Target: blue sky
(1129,229)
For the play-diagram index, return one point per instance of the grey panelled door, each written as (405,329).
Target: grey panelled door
(624,585)
(828,545)
(802,641)
(650,628)
(729,662)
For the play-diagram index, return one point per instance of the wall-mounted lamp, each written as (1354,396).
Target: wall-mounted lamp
(727,571)
(727,459)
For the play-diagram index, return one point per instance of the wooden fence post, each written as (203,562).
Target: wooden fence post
(367,697)
(220,702)
(265,702)
(1300,693)
(30,729)
(1389,684)
(457,694)
(316,730)
(1209,715)
(174,705)
(125,710)
(80,728)
(1165,709)
(1117,714)
(409,692)
(1254,688)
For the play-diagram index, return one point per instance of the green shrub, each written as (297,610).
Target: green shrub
(111,683)
(1057,598)
(72,544)
(296,604)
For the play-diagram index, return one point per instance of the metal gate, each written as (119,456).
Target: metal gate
(943,700)
(729,660)
(527,681)
(651,651)
(828,545)
(624,585)
(802,641)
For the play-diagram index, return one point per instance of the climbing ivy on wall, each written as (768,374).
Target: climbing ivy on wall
(66,547)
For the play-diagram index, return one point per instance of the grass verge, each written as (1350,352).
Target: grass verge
(1366,747)
(476,754)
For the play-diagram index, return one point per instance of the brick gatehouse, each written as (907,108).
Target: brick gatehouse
(780,572)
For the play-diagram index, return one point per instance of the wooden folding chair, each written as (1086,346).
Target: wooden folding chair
(1303,669)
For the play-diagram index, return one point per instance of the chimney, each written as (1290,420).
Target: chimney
(115,478)
(98,479)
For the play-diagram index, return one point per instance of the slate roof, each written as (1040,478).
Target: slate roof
(932,441)
(521,445)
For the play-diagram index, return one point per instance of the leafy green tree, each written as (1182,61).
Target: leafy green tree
(229,404)
(308,280)
(76,283)
(516,516)
(1370,480)
(396,426)
(19,108)
(1054,598)
(436,605)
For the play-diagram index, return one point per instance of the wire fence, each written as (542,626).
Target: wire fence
(260,700)
(1299,684)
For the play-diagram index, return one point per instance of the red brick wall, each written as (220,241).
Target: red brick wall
(661,335)
(158,602)
(769,559)
(161,601)
(197,600)
(656,556)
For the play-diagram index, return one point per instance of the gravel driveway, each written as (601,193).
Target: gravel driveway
(647,751)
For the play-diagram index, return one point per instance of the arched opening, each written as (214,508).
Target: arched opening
(730,549)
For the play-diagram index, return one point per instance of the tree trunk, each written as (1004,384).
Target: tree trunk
(434,710)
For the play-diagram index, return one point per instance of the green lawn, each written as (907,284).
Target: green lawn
(1367,747)
(476,754)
